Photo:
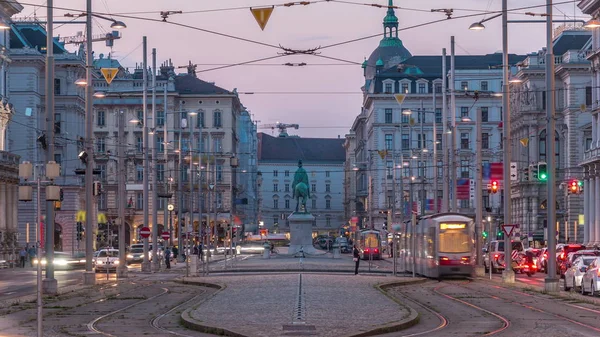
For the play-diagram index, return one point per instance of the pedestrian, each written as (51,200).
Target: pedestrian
(195,251)
(175,252)
(391,249)
(168,258)
(23,256)
(356,258)
(32,254)
(201,251)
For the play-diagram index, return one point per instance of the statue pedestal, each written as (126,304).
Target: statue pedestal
(301,234)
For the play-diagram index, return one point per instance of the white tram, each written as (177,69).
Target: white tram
(443,245)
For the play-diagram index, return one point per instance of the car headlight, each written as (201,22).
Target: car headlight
(116,262)
(129,256)
(60,262)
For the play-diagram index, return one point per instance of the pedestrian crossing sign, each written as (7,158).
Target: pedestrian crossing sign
(109,74)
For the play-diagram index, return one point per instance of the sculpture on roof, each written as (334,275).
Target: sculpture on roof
(300,187)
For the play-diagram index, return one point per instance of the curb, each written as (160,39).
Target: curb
(413,316)
(297,270)
(191,323)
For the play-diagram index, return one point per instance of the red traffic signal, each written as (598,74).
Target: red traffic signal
(495,186)
(574,186)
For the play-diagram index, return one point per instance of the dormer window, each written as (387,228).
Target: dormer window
(388,88)
(405,88)
(422,88)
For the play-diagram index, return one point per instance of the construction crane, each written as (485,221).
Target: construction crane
(80,38)
(281,126)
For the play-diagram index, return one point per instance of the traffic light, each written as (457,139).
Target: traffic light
(573,186)
(542,171)
(495,186)
(526,174)
(580,185)
(97,188)
(533,172)
(62,196)
(500,235)
(80,231)
(484,234)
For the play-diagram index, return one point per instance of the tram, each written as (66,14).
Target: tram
(443,245)
(369,245)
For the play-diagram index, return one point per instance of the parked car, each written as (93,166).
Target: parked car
(106,260)
(574,275)
(562,253)
(590,282)
(343,244)
(571,257)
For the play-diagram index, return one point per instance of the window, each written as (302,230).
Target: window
(139,172)
(406,172)
(420,116)
(328,220)
(327,174)
(286,187)
(588,96)
(464,141)
(139,200)
(421,141)
(57,86)
(314,204)
(160,118)
(100,144)
(438,115)
(204,143)
(543,151)
(405,88)
(485,141)
(501,140)
(389,141)
(160,172)
(276,203)
(327,187)
(390,201)
(438,141)
(464,111)
(160,143)
(464,169)
(405,141)
(100,118)
(286,173)
(422,88)
(464,203)
(102,168)
(588,144)
(389,169)
(58,160)
(313,188)
(389,88)
(287,203)
(421,166)
(405,118)
(102,201)
(275,220)
(484,114)
(388,116)
(275,187)
(219,172)
(217,144)
(275,173)
(57,123)
(140,117)
(438,88)
(484,86)
(464,85)
(200,119)
(219,198)
(139,144)
(440,169)
(217,122)
(327,204)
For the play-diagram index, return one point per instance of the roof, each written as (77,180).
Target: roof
(309,150)
(189,84)
(32,35)
(569,40)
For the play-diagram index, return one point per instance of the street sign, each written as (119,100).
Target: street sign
(513,171)
(109,74)
(400,98)
(262,15)
(165,235)
(145,232)
(507,229)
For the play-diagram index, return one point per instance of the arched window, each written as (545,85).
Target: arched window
(217,121)
(543,151)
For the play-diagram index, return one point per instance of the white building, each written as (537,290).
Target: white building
(323,159)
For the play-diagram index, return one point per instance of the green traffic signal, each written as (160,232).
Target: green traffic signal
(485,234)
(542,172)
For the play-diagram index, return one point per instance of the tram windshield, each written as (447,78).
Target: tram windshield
(454,238)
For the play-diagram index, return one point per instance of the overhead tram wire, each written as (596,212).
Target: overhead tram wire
(241,63)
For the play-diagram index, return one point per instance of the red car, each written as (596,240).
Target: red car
(562,253)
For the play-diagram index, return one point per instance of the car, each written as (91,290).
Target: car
(494,257)
(542,259)
(63,261)
(342,242)
(571,257)
(135,255)
(562,253)
(590,281)
(250,247)
(3,264)
(574,275)
(106,260)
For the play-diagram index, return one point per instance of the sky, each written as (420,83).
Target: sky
(323,99)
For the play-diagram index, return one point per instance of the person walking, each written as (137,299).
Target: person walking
(356,258)
(168,258)
(175,252)
(23,257)
(32,253)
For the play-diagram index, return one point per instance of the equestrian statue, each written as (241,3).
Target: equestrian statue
(300,186)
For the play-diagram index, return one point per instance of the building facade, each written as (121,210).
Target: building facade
(591,158)
(323,159)
(26,133)
(9,179)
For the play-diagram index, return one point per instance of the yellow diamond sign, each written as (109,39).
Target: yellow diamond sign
(109,74)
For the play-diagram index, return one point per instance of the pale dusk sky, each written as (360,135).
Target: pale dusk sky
(300,27)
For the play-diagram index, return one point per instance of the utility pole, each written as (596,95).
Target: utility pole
(50,284)
(180,195)
(453,134)
(422,164)
(155,258)
(122,268)
(551,282)
(508,274)
(479,269)
(146,170)
(435,157)
(209,228)
(89,277)
(191,180)
(445,178)
(201,230)
(166,167)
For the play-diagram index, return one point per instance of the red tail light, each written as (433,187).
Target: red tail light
(444,260)
(496,256)
(465,258)
(376,250)
(366,250)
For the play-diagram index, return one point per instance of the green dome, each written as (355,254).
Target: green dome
(364,64)
(390,19)
(379,63)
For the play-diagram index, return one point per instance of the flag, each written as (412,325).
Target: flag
(462,189)
(487,171)
(496,171)
(525,141)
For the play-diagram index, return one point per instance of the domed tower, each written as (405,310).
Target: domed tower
(391,51)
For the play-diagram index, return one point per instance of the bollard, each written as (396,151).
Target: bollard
(336,251)
(193,265)
(267,251)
